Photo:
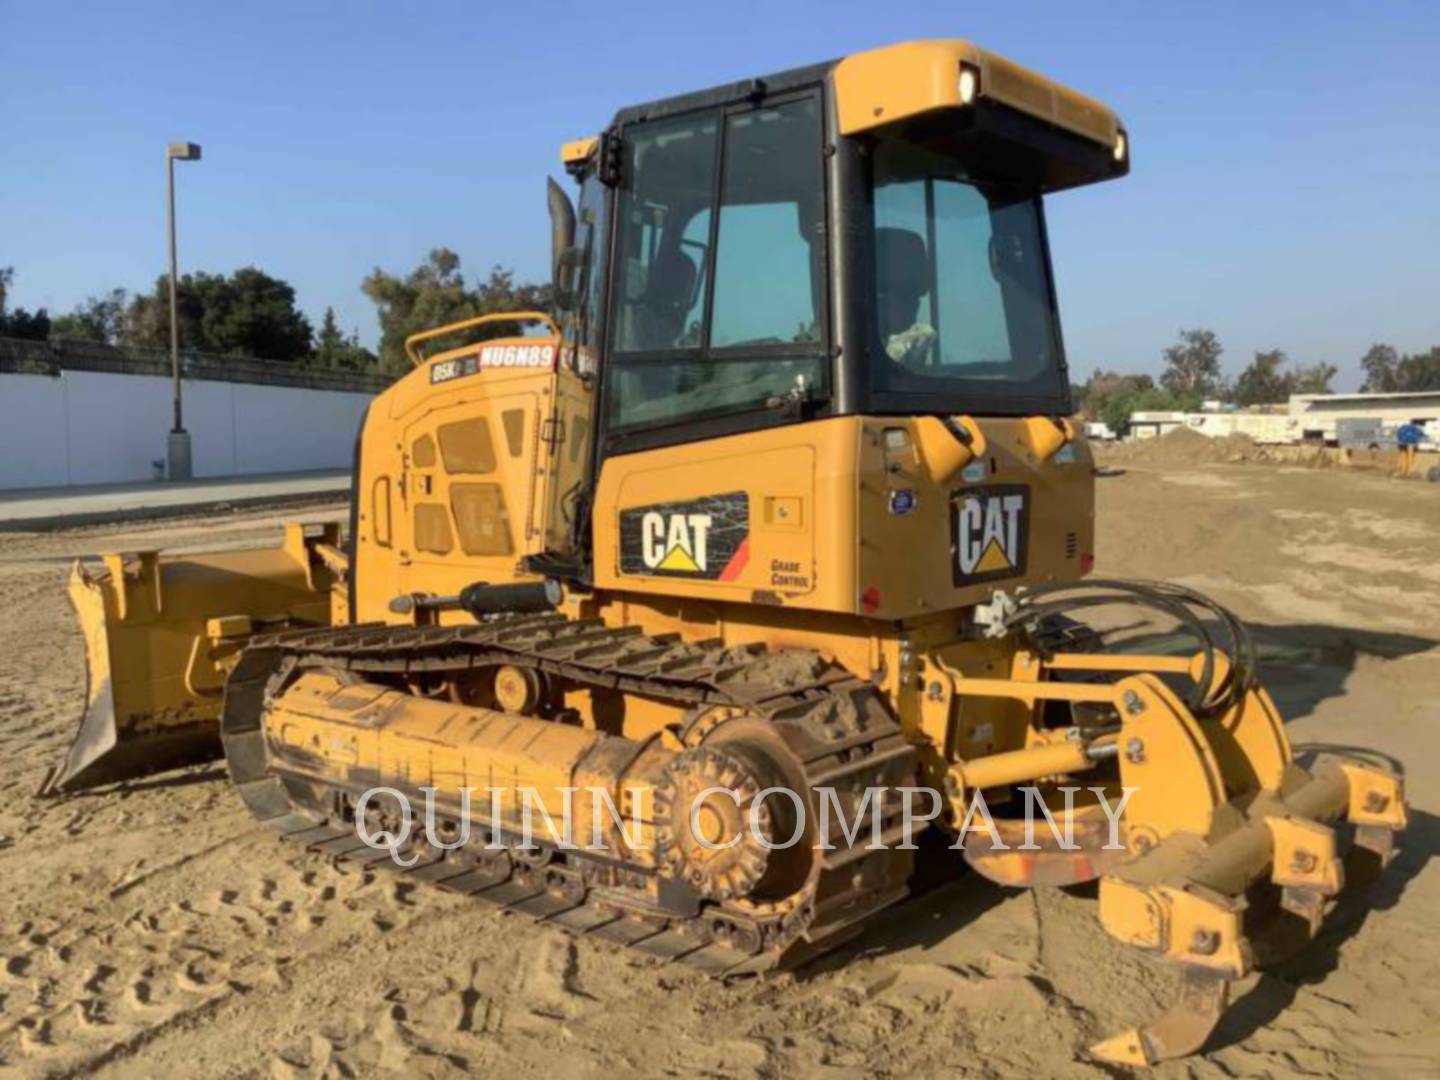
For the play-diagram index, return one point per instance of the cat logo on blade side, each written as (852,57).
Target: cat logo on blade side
(699,538)
(989,532)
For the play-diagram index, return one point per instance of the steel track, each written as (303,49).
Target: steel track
(836,726)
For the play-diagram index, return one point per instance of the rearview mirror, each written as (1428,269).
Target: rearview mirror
(562,230)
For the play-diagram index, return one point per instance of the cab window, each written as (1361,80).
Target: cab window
(584,329)
(963,299)
(718,313)
(665,232)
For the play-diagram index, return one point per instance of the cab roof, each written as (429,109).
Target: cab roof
(878,87)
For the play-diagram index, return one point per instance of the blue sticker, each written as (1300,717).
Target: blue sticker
(903,501)
(973,472)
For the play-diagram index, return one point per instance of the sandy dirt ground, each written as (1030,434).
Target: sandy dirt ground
(159,931)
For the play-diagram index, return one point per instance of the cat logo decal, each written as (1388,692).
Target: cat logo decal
(707,537)
(989,532)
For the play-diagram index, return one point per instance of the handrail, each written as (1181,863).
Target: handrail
(466,324)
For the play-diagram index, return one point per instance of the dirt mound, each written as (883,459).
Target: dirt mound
(1184,446)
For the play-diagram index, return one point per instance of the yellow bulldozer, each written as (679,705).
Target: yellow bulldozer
(774,526)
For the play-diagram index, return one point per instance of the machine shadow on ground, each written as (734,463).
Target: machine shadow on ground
(1304,664)
(946,897)
(187,777)
(1301,665)
(1281,982)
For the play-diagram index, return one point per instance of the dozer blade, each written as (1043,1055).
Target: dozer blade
(162,632)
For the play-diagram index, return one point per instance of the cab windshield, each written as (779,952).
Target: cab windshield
(963,300)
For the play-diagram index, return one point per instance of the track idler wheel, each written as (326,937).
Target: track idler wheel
(712,825)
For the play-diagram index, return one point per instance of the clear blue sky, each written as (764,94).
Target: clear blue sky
(1285,192)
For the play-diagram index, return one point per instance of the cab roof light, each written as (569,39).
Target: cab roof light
(969,84)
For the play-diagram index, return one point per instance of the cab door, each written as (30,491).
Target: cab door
(565,448)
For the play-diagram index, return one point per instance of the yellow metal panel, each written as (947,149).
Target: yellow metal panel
(861,493)
(465,446)
(543,412)
(902,508)
(900,81)
(481,519)
(578,150)
(808,465)
(1131,914)
(432,528)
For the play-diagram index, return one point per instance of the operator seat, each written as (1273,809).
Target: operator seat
(660,314)
(902,268)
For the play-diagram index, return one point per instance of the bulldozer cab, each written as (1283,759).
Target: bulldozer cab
(865,236)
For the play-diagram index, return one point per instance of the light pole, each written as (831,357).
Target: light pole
(177,445)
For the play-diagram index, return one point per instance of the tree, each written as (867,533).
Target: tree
(430,295)
(1104,386)
(1389,372)
(329,342)
(1192,367)
(501,293)
(334,350)
(433,294)
(1152,398)
(248,313)
(1420,371)
(1263,383)
(1313,378)
(1379,366)
(31,325)
(98,318)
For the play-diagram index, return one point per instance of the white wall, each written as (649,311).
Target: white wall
(1210,423)
(32,432)
(88,427)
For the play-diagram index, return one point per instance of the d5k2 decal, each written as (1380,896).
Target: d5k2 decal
(700,538)
(989,532)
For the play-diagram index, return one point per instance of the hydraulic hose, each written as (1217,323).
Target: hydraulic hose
(1177,601)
